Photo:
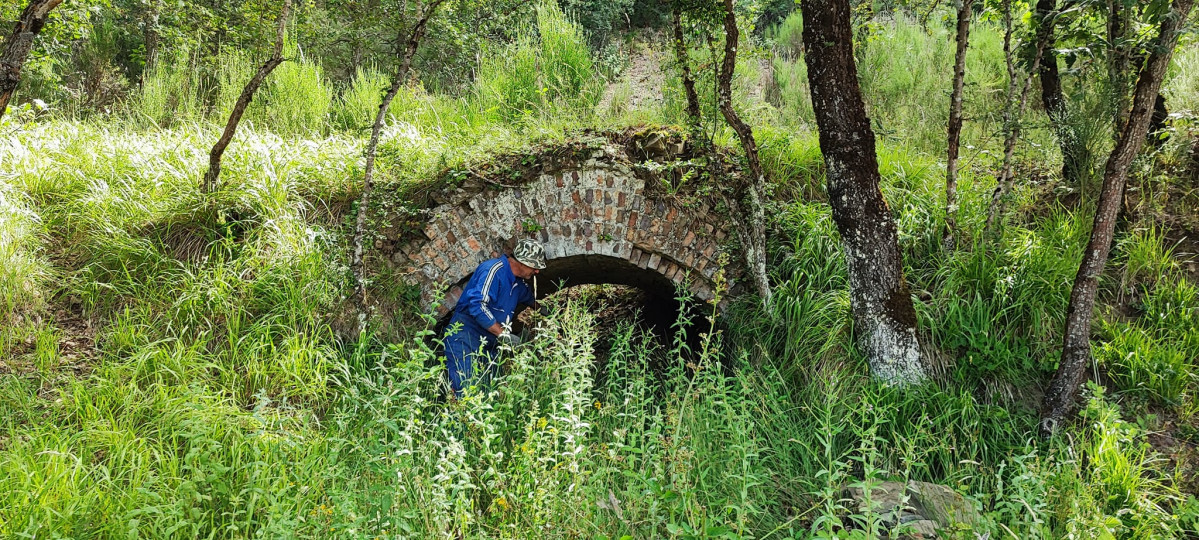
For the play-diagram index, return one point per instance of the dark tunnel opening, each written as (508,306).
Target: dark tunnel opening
(619,291)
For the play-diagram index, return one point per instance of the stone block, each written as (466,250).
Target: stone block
(654,260)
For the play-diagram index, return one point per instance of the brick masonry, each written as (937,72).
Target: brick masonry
(598,223)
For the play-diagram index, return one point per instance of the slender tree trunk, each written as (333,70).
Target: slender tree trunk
(1118,62)
(680,53)
(407,50)
(1076,347)
(884,318)
(929,13)
(19,44)
(964,10)
(150,34)
(213,175)
(1052,97)
(753,240)
(1011,120)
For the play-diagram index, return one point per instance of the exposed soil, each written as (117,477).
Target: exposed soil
(644,77)
(75,339)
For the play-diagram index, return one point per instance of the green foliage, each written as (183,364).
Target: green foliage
(356,108)
(552,69)
(23,270)
(220,402)
(172,91)
(600,18)
(294,99)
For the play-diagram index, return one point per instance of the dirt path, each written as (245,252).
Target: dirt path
(639,86)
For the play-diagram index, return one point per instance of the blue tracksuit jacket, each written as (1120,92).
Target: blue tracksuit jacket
(491,296)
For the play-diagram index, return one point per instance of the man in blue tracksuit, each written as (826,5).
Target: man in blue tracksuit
(483,317)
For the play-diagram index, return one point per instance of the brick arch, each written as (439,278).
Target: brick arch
(603,219)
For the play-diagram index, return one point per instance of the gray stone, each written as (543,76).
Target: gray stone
(928,508)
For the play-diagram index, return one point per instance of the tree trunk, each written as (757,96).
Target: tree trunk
(884,318)
(213,175)
(1052,97)
(1118,62)
(407,52)
(680,53)
(151,36)
(964,10)
(1011,119)
(1076,348)
(19,44)
(750,200)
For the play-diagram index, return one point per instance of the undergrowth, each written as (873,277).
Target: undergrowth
(221,403)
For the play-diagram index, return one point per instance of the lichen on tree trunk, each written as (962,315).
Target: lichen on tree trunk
(748,200)
(213,175)
(1076,347)
(18,46)
(406,47)
(964,9)
(883,314)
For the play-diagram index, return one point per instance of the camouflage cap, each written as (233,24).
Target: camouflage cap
(530,253)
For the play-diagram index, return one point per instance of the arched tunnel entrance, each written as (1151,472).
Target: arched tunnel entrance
(609,209)
(619,292)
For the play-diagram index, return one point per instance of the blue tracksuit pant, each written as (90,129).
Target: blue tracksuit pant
(469,355)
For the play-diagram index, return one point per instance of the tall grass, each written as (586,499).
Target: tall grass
(24,273)
(295,99)
(172,91)
(220,403)
(550,70)
(357,106)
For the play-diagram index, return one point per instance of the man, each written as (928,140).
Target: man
(483,317)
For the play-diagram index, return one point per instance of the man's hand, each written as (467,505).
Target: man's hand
(509,339)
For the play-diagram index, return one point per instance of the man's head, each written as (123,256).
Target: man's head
(529,257)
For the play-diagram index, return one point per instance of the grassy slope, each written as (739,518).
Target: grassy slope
(217,402)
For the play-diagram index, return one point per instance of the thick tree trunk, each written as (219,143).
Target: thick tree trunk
(213,175)
(964,10)
(407,52)
(749,203)
(19,44)
(884,318)
(1052,97)
(1076,348)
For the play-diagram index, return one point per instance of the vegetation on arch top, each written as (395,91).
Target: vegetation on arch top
(661,155)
